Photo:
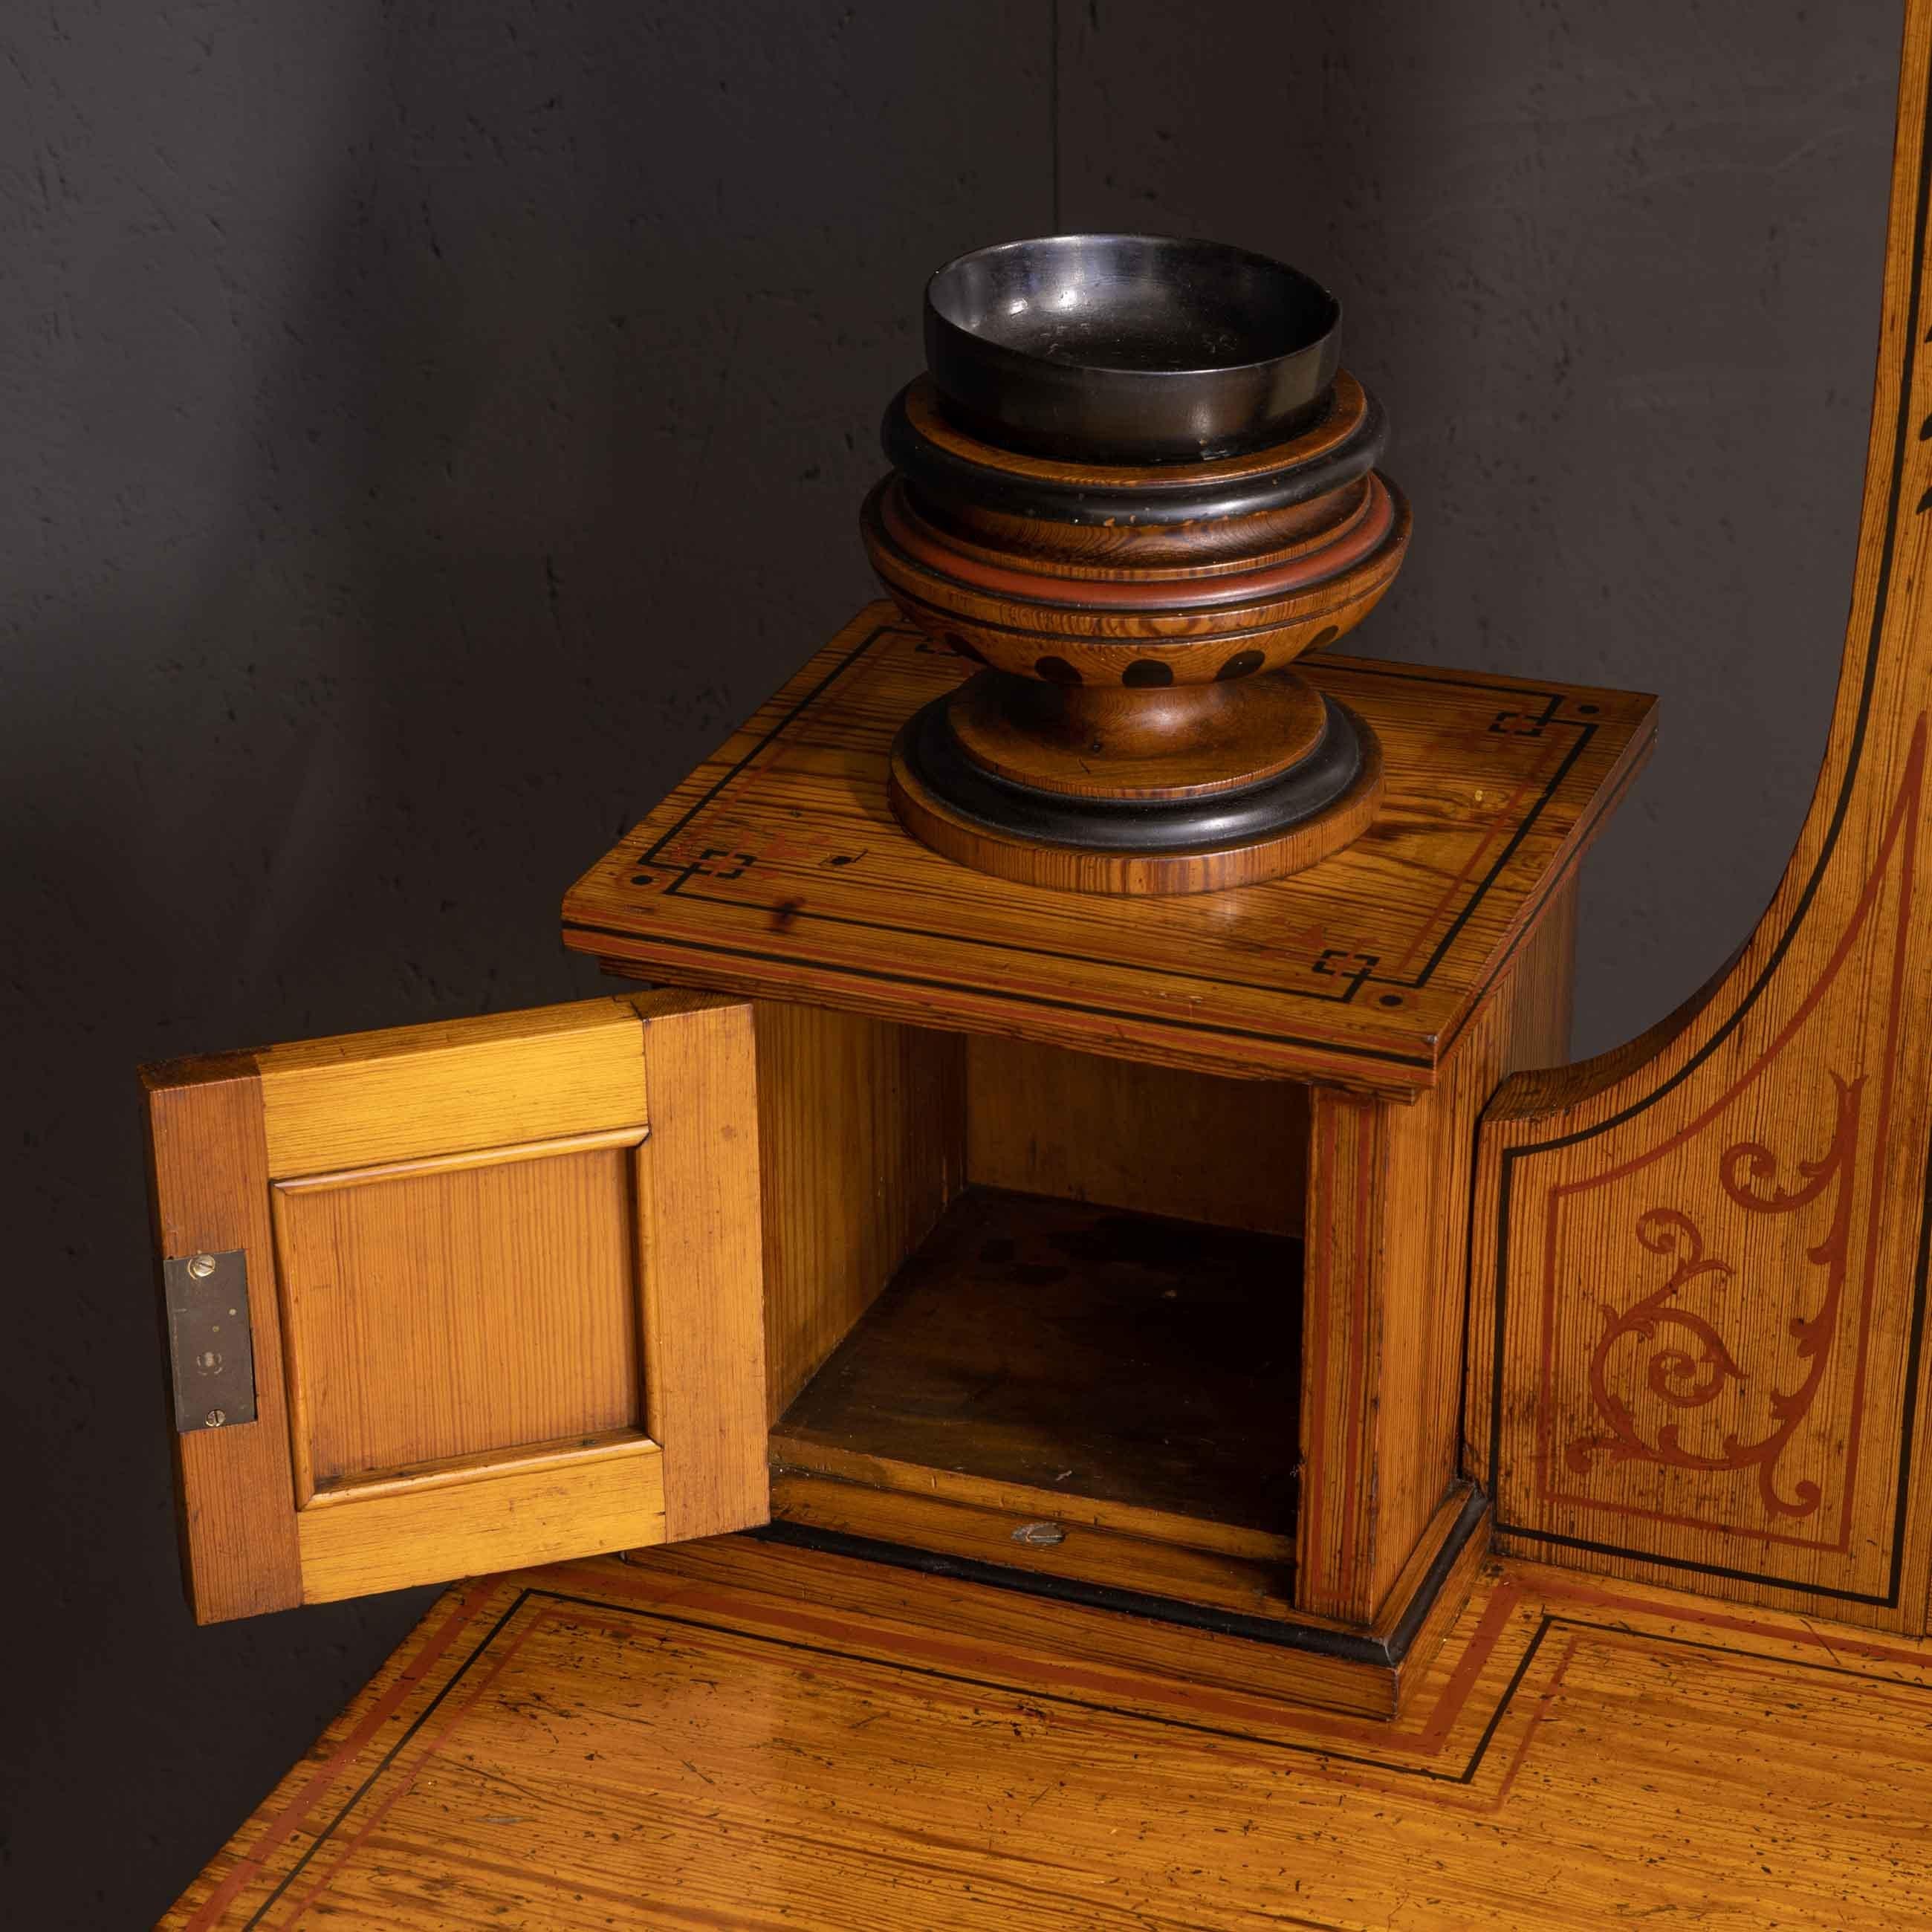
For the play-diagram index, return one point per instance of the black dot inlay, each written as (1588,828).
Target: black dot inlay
(1056,671)
(1391,999)
(1586,710)
(1327,636)
(1148,670)
(1243,664)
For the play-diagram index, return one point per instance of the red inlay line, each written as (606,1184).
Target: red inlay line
(1559,1589)
(1546,1699)
(402,1778)
(1319,558)
(1504,1602)
(1052,1673)
(288,1819)
(1854,1433)
(1374,1733)
(663,1909)
(1903,814)
(401,1781)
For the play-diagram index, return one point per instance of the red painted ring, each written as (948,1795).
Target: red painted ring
(1362,537)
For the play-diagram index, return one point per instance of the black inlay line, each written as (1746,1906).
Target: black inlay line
(1557,1541)
(1093,1706)
(649,856)
(653,854)
(1552,882)
(1167,1023)
(1914,1349)
(1346,1646)
(1841,809)
(1281,1633)
(1875,1676)
(388,1758)
(1275,989)
(1585,733)
(1889,1599)
(1547,1621)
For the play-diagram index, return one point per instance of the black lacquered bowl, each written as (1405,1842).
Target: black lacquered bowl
(1130,349)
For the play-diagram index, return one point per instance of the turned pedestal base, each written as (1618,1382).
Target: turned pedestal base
(1221,785)
(1137,728)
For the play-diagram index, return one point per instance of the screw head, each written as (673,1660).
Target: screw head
(216,1417)
(209,1361)
(202,1267)
(1039,1535)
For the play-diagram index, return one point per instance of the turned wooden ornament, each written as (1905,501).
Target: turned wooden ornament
(1136,727)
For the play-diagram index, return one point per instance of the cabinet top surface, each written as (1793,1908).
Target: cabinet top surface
(776,869)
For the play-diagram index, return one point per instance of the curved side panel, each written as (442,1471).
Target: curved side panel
(1698,1305)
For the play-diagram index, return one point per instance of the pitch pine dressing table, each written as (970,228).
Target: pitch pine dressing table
(1229,1261)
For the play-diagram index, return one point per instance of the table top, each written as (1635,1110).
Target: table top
(734,1734)
(777,869)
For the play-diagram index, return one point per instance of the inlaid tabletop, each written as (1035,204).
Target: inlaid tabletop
(777,869)
(735,1735)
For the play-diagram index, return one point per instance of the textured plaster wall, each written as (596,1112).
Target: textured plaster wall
(1613,267)
(426,432)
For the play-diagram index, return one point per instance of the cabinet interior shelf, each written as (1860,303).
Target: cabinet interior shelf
(1127,1383)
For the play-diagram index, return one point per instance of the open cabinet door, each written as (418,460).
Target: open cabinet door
(459,1297)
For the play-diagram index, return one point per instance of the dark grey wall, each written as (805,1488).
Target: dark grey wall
(1614,269)
(383,392)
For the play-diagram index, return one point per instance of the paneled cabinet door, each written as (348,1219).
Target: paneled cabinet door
(457,1298)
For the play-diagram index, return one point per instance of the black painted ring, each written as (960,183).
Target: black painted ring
(1255,811)
(945,478)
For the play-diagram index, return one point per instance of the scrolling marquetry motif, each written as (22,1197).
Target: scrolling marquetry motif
(1698,1265)
(1686,1364)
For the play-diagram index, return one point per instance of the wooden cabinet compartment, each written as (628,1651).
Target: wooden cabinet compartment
(1391,987)
(1109,1248)
(1082,1364)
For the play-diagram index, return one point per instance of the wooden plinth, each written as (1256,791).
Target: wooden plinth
(1399,983)
(1087,1403)
(776,869)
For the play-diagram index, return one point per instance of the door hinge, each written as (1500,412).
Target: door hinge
(211,1347)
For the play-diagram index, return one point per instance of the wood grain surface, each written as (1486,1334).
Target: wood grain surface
(734,1735)
(1387,1288)
(777,869)
(499,1298)
(234,1488)
(1697,1342)
(700,1250)
(861,1143)
(1122,1133)
(505,1283)
(1063,1350)
(1018,858)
